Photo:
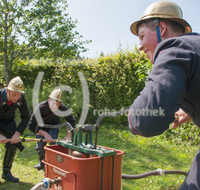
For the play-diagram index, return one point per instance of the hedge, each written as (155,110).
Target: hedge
(114,81)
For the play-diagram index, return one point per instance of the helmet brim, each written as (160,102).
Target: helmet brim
(19,91)
(53,98)
(182,22)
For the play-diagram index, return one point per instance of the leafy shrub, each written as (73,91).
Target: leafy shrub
(186,132)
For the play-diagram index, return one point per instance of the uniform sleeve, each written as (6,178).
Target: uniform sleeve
(33,124)
(153,110)
(70,119)
(25,116)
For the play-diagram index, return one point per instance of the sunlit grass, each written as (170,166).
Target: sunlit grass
(146,154)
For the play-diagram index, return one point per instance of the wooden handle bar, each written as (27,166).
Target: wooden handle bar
(34,140)
(176,118)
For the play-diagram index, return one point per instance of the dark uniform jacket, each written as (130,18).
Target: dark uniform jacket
(48,117)
(7,114)
(173,83)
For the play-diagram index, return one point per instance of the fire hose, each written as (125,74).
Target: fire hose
(38,186)
(154,172)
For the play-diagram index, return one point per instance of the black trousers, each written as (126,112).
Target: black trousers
(192,180)
(10,148)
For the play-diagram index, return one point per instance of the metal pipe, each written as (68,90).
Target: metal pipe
(34,140)
(102,173)
(113,165)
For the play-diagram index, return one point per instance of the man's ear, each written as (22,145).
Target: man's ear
(163,28)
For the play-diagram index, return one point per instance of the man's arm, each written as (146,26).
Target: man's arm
(33,124)
(3,139)
(25,116)
(153,110)
(45,135)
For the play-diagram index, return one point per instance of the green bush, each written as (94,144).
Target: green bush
(186,132)
(117,80)
(28,70)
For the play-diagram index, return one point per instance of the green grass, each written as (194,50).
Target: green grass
(140,155)
(23,168)
(147,154)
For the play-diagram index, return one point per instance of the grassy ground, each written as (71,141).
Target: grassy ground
(140,155)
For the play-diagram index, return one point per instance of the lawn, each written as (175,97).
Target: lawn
(140,155)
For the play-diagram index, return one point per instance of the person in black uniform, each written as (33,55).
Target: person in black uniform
(47,111)
(12,98)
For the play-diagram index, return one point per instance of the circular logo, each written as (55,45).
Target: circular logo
(59,158)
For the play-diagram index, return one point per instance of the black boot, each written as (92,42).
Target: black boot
(7,164)
(40,165)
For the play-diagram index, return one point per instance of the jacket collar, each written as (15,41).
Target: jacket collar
(4,99)
(47,109)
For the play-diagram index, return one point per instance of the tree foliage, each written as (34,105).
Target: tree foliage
(38,28)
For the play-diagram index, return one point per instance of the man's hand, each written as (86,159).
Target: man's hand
(68,136)
(15,138)
(3,139)
(181,117)
(46,135)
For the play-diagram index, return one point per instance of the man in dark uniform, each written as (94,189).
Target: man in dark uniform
(173,86)
(11,99)
(47,111)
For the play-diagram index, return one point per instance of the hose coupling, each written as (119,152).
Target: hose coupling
(48,183)
(160,171)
